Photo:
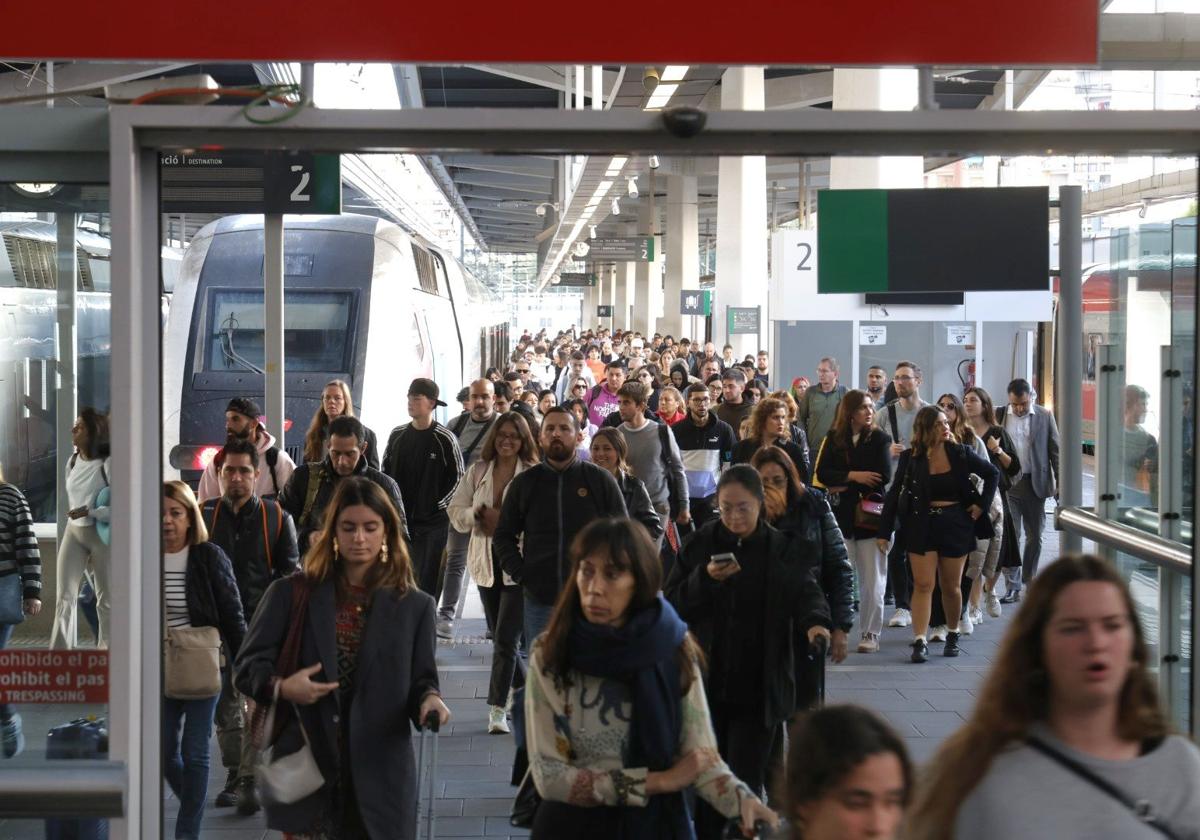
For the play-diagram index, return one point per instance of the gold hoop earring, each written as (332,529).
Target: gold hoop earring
(335,547)
(383,553)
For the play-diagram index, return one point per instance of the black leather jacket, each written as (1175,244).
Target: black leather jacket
(638,504)
(814,526)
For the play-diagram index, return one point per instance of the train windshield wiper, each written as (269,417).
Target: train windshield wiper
(228,330)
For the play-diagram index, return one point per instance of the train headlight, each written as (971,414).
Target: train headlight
(205,456)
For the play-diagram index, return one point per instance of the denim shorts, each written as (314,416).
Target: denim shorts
(951,533)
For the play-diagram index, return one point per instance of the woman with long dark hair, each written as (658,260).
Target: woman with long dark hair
(1069,695)
(853,463)
(335,402)
(940,510)
(87,474)
(507,451)
(617,725)
(769,426)
(609,451)
(365,671)
(1002,452)
(803,513)
(849,776)
(747,593)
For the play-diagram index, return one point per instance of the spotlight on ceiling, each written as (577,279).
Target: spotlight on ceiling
(654,161)
(631,187)
(591,231)
(616,207)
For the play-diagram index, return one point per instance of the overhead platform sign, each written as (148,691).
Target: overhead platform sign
(251,182)
(933,241)
(870,32)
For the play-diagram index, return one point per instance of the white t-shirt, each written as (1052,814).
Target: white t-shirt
(175,588)
(1018,429)
(84,481)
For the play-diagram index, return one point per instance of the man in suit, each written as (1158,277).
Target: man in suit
(1035,435)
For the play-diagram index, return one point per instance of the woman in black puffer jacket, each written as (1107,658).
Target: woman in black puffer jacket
(747,593)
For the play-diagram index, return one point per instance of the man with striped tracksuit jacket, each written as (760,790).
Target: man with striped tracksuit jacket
(706,445)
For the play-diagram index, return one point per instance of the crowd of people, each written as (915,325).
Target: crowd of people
(666,550)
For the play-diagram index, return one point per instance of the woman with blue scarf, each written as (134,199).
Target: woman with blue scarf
(617,724)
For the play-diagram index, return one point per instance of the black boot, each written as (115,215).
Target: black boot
(920,650)
(247,792)
(228,796)
(951,648)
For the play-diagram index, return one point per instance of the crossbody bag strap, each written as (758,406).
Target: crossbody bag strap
(1142,809)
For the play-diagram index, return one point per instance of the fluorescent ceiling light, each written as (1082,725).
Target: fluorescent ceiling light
(662,94)
(674,73)
(615,165)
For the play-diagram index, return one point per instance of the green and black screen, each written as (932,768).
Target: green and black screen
(937,240)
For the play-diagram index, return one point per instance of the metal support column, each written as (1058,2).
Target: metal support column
(308,81)
(273,366)
(66,350)
(1170,450)
(1110,385)
(1068,402)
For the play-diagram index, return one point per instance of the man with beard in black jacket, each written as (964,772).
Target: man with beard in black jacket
(260,539)
(311,486)
(547,505)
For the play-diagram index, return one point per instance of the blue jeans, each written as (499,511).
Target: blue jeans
(537,616)
(6,631)
(185,760)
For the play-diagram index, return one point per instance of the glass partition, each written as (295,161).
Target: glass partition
(55,363)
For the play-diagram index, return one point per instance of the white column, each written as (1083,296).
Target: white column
(875,90)
(683,246)
(623,295)
(647,302)
(741,219)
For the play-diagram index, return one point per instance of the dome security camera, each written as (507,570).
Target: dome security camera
(650,79)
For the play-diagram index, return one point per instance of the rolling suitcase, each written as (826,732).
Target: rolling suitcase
(84,738)
(427,778)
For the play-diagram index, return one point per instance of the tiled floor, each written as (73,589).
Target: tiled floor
(924,702)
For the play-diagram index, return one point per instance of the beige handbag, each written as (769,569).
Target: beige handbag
(191,662)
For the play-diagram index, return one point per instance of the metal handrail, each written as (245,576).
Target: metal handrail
(1149,547)
(72,789)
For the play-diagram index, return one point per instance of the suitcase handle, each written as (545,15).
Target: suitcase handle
(816,648)
(432,722)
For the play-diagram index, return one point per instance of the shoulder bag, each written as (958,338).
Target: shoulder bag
(1142,809)
(191,662)
(292,777)
(12,599)
(868,513)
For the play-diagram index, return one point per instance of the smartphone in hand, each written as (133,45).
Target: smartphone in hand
(727,559)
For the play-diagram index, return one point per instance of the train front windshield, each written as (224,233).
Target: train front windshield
(317,330)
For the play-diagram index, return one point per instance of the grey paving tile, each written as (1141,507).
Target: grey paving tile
(488,807)
(929,724)
(882,699)
(460,827)
(943,700)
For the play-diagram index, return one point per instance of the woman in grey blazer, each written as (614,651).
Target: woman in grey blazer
(365,670)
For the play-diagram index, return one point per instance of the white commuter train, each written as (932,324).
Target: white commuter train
(29,353)
(363,301)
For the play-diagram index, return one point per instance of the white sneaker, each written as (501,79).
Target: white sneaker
(901,618)
(975,614)
(965,625)
(869,644)
(497,721)
(938,634)
(992,602)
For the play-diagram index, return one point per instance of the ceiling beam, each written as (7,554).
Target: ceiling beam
(78,76)
(798,91)
(1156,41)
(526,167)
